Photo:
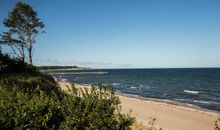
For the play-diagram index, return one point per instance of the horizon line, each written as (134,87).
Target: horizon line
(134,67)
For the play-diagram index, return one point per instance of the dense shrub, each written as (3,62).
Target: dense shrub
(39,108)
(14,65)
(27,82)
(21,110)
(95,109)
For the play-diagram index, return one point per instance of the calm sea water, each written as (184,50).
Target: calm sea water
(198,87)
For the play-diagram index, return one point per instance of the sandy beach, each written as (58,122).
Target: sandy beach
(168,116)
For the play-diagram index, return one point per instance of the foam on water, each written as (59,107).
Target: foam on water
(133,87)
(191,92)
(115,84)
(200,101)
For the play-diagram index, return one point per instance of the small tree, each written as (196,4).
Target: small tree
(23,26)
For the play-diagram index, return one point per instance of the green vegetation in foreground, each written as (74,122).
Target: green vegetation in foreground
(35,102)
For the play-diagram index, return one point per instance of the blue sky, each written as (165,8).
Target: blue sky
(126,33)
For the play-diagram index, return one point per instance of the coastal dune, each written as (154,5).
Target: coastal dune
(168,116)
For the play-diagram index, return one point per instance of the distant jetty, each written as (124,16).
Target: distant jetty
(60,68)
(77,73)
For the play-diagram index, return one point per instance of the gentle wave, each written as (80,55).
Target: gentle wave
(180,99)
(115,84)
(183,85)
(191,92)
(200,101)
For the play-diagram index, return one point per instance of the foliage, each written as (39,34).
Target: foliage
(217,124)
(10,65)
(23,27)
(39,108)
(21,110)
(96,109)
(28,82)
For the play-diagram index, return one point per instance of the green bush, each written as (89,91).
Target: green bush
(21,110)
(40,108)
(28,82)
(94,109)
(14,65)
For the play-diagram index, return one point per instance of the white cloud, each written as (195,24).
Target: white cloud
(47,62)
(92,63)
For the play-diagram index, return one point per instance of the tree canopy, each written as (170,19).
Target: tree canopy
(23,26)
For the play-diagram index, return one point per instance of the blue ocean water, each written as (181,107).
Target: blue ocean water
(199,87)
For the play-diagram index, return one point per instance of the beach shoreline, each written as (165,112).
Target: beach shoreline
(171,102)
(169,116)
(166,101)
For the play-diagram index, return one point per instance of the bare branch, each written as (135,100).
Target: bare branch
(15,51)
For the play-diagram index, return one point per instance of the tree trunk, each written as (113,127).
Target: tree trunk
(30,54)
(30,48)
(22,55)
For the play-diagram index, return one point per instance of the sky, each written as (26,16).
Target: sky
(125,33)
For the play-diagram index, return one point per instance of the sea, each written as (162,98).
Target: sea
(196,87)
